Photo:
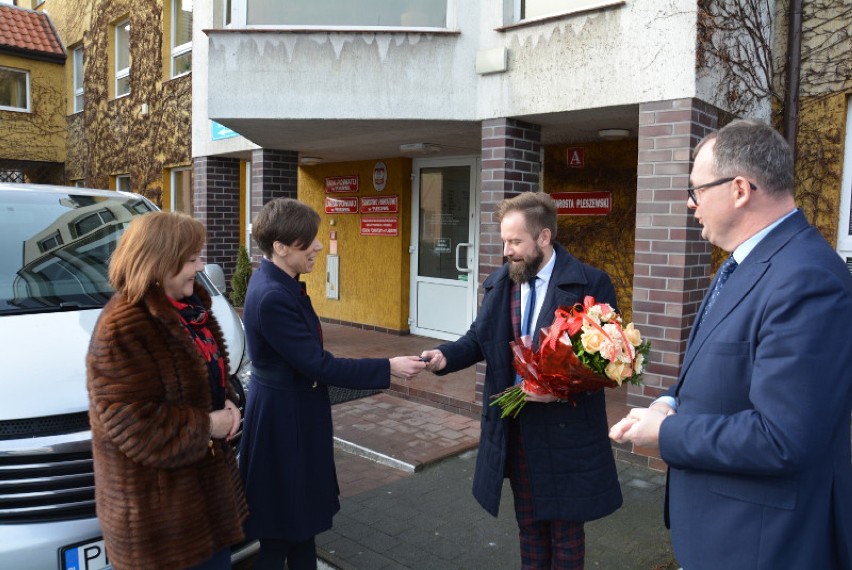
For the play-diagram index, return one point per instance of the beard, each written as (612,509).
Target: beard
(528,268)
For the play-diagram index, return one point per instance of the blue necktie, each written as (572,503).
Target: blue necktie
(724,273)
(528,316)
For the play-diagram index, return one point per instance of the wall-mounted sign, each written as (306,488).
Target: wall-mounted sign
(219,132)
(380,176)
(380,204)
(576,157)
(341,184)
(348,205)
(582,203)
(443,245)
(380,227)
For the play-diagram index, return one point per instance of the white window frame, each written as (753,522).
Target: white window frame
(570,7)
(122,182)
(184,48)
(78,55)
(172,181)
(844,231)
(123,73)
(28,106)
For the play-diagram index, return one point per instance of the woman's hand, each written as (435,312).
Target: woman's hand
(225,423)
(406,366)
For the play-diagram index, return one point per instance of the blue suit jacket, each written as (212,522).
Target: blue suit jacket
(287,453)
(759,451)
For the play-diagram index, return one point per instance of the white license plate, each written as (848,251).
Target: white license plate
(86,556)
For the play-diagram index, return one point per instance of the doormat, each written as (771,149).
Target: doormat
(339,395)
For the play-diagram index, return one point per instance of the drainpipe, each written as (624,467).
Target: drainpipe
(794,64)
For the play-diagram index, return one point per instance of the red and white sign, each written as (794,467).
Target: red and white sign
(348,205)
(380,227)
(380,204)
(341,184)
(582,203)
(576,157)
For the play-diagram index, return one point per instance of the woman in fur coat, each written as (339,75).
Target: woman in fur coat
(167,490)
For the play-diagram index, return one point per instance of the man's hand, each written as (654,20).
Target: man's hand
(543,398)
(434,359)
(641,426)
(406,367)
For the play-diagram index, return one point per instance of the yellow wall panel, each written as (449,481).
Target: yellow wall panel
(374,270)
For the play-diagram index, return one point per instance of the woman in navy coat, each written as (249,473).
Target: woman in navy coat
(286,458)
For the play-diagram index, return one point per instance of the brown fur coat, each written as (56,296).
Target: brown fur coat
(165,498)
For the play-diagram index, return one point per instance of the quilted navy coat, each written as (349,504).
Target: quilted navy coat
(571,465)
(287,454)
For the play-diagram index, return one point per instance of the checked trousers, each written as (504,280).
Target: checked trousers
(551,545)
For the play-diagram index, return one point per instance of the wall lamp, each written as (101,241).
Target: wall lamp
(613,134)
(419,148)
(309,160)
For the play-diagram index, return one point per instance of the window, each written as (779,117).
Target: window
(221,13)
(122,58)
(181,37)
(535,9)
(181,181)
(844,229)
(78,79)
(122,182)
(361,13)
(14,89)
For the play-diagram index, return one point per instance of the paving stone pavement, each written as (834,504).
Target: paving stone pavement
(429,520)
(405,471)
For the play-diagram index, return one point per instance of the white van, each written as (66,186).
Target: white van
(55,244)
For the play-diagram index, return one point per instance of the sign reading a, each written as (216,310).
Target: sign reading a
(341,184)
(380,227)
(380,204)
(348,205)
(576,157)
(582,203)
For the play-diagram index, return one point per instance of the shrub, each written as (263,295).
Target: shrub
(240,279)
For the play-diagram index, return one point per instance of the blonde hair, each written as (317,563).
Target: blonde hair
(154,246)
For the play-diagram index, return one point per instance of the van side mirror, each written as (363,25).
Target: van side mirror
(216,275)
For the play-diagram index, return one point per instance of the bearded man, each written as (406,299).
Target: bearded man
(556,454)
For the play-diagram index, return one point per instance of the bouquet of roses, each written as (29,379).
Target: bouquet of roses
(585,349)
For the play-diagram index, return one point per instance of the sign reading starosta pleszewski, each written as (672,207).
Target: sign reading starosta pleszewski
(582,203)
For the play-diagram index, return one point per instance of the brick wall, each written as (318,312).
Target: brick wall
(274,174)
(511,164)
(216,198)
(672,261)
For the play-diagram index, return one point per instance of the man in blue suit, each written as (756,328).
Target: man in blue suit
(756,432)
(556,454)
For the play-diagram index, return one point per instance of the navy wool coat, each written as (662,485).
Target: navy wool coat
(287,456)
(571,465)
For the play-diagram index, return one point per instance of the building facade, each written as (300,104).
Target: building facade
(404,124)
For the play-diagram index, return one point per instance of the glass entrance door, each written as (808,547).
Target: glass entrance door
(445,255)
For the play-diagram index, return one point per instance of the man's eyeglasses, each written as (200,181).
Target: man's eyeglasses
(692,189)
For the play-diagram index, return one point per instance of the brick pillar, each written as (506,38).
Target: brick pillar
(216,195)
(273,175)
(672,261)
(511,164)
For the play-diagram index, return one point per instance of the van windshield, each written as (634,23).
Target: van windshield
(56,247)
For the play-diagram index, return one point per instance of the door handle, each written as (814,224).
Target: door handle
(458,247)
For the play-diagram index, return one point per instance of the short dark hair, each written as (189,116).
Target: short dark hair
(538,208)
(286,220)
(755,150)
